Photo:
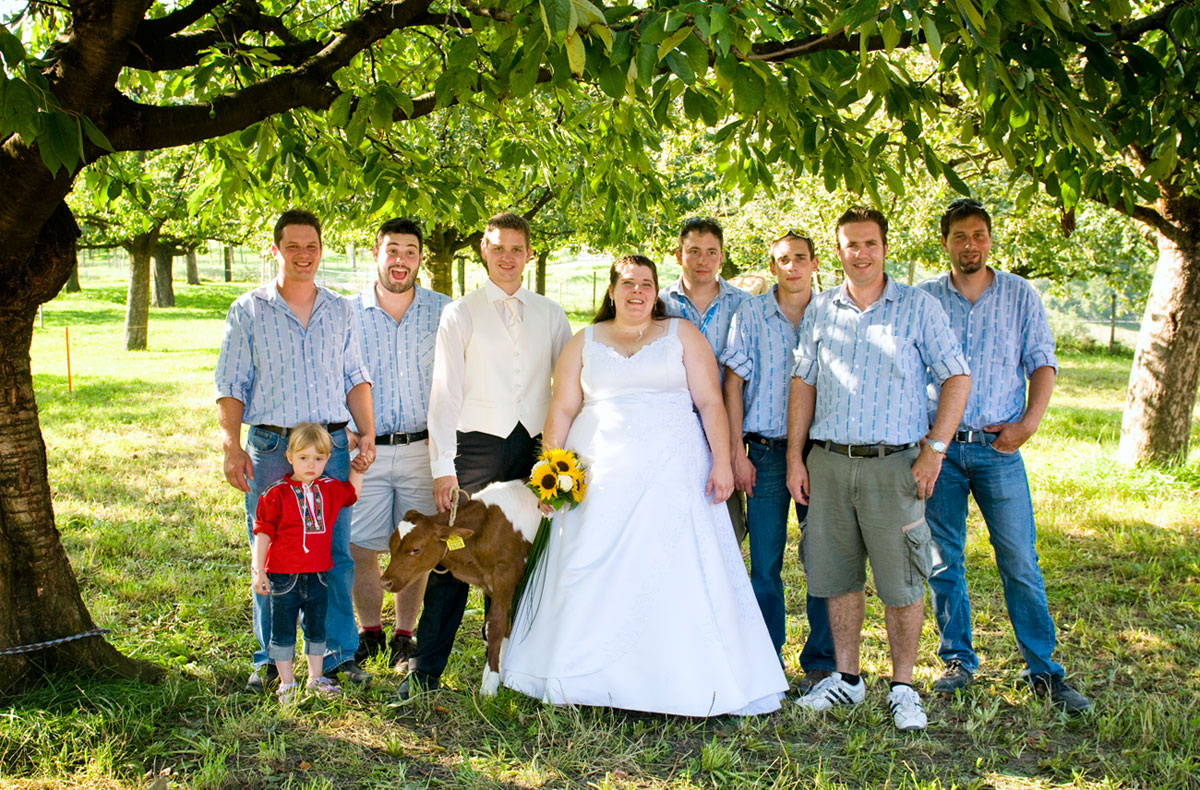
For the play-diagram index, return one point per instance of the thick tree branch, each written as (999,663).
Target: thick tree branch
(782,50)
(177,20)
(1134,30)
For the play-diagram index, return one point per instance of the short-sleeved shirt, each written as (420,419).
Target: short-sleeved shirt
(1005,337)
(869,366)
(300,522)
(399,356)
(760,350)
(283,372)
(714,322)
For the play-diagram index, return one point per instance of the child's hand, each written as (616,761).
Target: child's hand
(260,584)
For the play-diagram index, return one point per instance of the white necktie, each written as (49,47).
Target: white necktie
(514,317)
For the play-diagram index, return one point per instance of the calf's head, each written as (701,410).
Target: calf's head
(420,543)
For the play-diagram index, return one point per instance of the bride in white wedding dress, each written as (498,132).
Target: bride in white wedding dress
(641,600)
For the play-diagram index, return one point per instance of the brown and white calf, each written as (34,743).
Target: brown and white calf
(496,528)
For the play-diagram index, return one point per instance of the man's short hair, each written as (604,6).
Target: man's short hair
(296,216)
(702,225)
(863,214)
(397,226)
(507,220)
(309,434)
(961,209)
(791,234)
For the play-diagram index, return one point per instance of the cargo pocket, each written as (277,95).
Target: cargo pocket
(920,557)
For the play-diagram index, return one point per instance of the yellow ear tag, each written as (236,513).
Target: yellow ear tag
(454,543)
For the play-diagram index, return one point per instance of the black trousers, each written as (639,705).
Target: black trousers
(482,459)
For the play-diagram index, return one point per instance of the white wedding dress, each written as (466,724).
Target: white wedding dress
(641,600)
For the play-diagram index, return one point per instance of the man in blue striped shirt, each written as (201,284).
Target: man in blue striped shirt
(858,392)
(704,298)
(397,321)
(290,354)
(758,370)
(999,321)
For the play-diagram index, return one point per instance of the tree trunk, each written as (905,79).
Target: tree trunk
(228,250)
(541,271)
(440,264)
(462,275)
(1162,384)
(164,286)
(137,301)
(39,596)
(193,268)
(72,286)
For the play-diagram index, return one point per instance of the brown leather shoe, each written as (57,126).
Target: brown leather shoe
(811,678)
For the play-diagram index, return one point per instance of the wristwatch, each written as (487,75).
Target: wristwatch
(936,446)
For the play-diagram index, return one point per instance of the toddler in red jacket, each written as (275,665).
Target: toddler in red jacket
(292,536)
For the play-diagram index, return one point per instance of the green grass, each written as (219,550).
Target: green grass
(157,540)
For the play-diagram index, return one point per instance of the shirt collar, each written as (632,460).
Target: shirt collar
(676,291)
(496,294)
(370,297)
(891,292)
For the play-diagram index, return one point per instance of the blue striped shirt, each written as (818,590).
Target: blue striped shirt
(759,350)
(1005,337)
(869,366)
(282,372)
(399,356)
(714,324)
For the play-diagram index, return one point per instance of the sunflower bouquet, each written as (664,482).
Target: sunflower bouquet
(559,479)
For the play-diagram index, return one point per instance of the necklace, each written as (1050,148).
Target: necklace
(640,332)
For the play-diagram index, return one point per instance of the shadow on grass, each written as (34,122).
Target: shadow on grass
(99,401)
(193,301)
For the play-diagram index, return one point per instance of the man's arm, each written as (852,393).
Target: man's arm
(1014,434)
(743,471)
(445,400)
(802,400)
(358,401)
(951,401)
(237,466)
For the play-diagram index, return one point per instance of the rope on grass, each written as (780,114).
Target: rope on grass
(8,651)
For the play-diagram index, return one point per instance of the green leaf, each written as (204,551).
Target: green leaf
(114,189)
(933,39)
(12,48)
(956,183)
(576,53)
(673,41)
(891,35)
(382,108)
(339,111)
(749,93)
(556,15)
(462,54)
(61,136)
(1094,84)
(613,81)
(681,67)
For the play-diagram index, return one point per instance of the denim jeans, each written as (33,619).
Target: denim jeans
(1001,490)
(268,455)
(766,519)
(291,594)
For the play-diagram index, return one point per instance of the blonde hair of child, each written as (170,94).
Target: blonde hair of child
(309,434)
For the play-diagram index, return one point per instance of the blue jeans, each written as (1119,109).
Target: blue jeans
(268,455)
(1001,490)
(766,522)
(291,594)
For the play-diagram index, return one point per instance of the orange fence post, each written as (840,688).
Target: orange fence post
(67,335)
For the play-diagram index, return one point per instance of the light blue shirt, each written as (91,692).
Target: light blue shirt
(1005,337)
(285,373)
(714,323)
(399,356)
(759,350)
(869,366)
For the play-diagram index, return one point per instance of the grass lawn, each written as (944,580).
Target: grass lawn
(158,542)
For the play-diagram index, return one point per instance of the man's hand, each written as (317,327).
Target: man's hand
(744,473)
(366,453)
(797,481)
(925,470)
(1012,435)
(443,491)
(238,468)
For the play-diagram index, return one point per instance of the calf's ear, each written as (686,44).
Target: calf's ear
(462,532)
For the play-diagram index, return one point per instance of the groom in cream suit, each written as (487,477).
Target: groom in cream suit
(496,349)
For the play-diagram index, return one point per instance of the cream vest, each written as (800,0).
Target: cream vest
(506,382)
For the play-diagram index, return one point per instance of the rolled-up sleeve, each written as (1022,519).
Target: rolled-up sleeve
(234,374)
(739,346)
(805,354)
(940,350)
(354,369)
(1038,348)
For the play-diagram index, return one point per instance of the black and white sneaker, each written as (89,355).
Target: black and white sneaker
(833,691)
(905,704)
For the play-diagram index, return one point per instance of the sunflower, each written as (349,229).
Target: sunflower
(544,481)
(580,487)
(563,460)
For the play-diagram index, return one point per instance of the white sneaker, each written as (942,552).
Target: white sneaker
(833,691)
(905,704)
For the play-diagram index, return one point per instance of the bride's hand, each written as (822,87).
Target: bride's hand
(720,484)
(546,509)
